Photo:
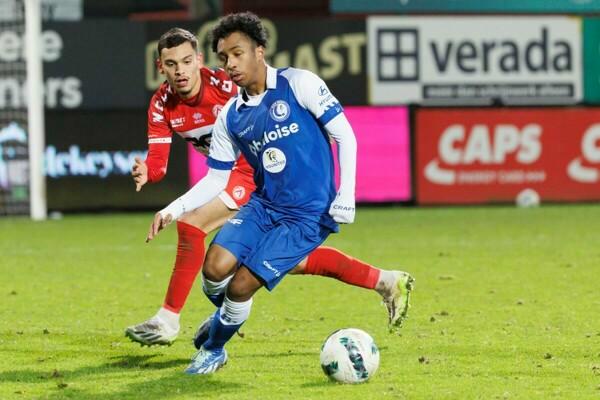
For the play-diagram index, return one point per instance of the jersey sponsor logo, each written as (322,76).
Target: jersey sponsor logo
(323,90)
(274,160)
(275,271)
(326,100)
(271,136)
(236,221)
(279,111)
(238,192)
(199,137)
(158,105)
(590,150)
(176,122)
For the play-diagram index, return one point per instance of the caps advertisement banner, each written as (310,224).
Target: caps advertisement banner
(490,155)
(474,60)
(383,161)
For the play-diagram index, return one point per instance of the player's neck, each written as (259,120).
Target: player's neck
(260,85)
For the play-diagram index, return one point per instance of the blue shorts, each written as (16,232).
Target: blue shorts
(268,242)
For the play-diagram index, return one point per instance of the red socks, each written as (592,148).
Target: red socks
(190,256)
(327,261)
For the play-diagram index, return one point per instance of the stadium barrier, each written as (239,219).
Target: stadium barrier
(489,155)
(88,160)
(383,164)
(97,105)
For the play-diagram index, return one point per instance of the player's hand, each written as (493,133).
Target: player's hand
(139,171)
(158,224)
(342,209)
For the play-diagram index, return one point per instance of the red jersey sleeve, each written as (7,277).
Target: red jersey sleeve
(159,137)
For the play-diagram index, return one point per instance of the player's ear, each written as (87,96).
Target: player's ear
(260,53)
(159,66)
(200,57)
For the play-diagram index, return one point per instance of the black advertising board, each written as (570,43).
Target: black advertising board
(333,49)
(87,65)
(89,155)
(110,64)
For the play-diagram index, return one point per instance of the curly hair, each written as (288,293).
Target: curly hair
(176,36)
(247,23)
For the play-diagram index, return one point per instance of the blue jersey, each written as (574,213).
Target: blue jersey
(281,133)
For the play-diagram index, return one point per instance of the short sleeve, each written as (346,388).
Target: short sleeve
(313,94)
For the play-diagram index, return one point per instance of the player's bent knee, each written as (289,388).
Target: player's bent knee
(218,264)
(243,286)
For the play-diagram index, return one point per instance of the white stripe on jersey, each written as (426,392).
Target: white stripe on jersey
(159,140)
(198,132)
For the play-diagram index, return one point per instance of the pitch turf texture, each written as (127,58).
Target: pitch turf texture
(507,305)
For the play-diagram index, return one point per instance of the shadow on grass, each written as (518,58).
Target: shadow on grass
(125,362)
(177,383)
(276,355)
(143,361)
(321,383)
(173,385)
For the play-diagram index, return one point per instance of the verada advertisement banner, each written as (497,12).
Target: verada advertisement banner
(468,156)
(474,60)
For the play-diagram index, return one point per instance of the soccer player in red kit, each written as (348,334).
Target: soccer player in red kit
(188,104)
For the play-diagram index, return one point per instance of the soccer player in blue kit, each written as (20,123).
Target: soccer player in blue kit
(281,121)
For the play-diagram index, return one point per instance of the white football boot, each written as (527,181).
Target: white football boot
(152,332)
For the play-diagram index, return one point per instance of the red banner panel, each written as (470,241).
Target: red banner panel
(466,156)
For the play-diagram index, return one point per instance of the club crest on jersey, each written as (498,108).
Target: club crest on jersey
(280,110)
(273,160)
(238,192)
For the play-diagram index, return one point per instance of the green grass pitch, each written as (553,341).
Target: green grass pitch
(507,305)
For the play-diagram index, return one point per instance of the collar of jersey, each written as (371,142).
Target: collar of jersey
(255,100)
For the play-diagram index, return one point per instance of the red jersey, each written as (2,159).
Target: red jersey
(192,119)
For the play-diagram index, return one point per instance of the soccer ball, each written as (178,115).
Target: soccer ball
(349,356)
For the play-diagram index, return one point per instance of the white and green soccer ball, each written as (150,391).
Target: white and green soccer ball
(349,356)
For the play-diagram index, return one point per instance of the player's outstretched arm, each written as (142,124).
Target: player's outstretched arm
(201,193)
